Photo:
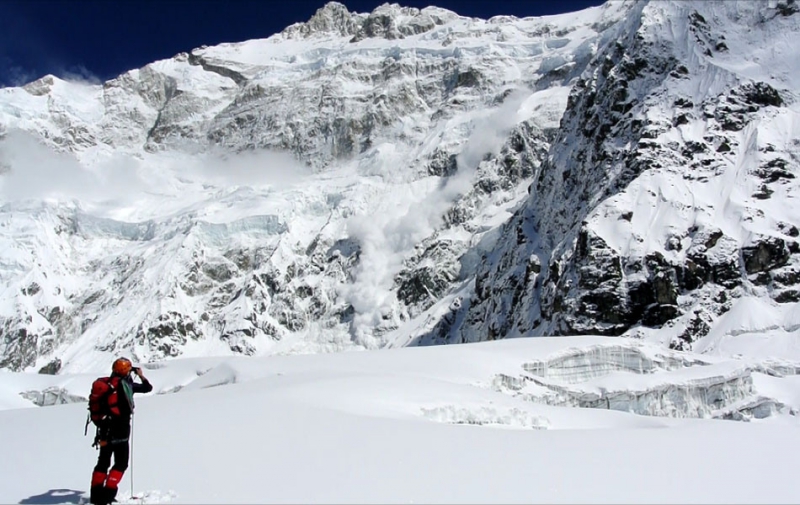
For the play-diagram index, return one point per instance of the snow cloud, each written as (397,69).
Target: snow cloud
(33,171)
(30,170)
(250,168)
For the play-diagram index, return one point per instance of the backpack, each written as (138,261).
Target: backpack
(104,399)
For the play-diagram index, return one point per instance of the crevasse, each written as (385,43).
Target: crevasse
(670,384)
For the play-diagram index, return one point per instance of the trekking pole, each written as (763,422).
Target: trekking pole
(132,497)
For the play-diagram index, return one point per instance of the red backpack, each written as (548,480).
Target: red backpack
(104,399)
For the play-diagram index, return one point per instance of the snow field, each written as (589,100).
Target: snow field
(407,425)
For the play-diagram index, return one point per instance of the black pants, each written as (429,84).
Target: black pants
(120,451)
(116,435)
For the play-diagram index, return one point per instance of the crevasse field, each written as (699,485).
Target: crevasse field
(502,422)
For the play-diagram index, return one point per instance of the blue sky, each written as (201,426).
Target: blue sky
(99,39)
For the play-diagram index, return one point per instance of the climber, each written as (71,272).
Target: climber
(110,409)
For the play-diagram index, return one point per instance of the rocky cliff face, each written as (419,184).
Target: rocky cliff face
(406,177)
(662,198)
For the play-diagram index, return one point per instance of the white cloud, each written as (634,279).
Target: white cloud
(249,168)
(31,170)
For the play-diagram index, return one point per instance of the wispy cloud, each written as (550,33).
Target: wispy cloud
(79,74)
(12,74)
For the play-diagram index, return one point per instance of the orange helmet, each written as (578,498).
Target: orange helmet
(121,367)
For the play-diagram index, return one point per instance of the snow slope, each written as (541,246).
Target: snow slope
(409,425)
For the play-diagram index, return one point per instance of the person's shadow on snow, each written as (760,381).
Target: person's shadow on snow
(55,496)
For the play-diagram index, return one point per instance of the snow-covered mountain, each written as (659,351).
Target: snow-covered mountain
(411,177)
